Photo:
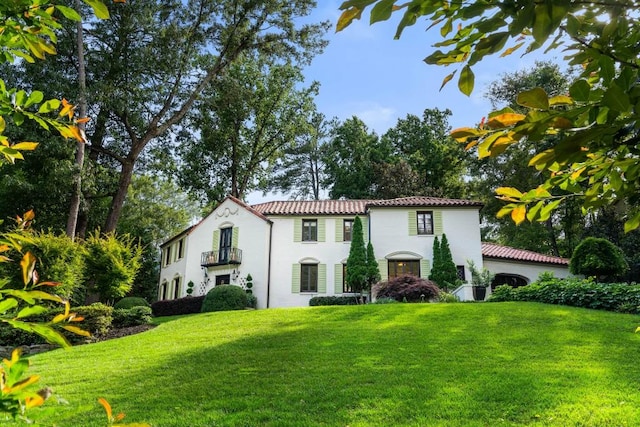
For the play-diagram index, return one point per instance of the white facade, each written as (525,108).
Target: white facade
(528,271)
(286,246)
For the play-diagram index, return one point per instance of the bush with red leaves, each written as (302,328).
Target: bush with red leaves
(407,288)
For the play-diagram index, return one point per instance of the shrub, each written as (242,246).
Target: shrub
(407,288)
(446,297)
(252,300)
(333,300)
(575,292)
(126,317)
(97,318)
(130,302)
(385,301)
(112,264)
(174,307)
(224,298)
(599,258)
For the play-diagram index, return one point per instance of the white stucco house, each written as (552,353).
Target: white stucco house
(295,250)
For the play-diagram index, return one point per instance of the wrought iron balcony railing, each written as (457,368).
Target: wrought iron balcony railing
(221,257)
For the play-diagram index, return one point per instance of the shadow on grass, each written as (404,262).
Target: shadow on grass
(516,364)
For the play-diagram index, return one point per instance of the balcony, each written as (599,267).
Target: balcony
(221,257)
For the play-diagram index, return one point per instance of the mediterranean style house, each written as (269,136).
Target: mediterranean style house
(295,250)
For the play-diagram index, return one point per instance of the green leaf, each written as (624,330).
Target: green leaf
(616,99)
(49,106)
(542,24)
(68,12)
(466,80)
(7,304)
(545,212)
(381,11)
(607,68)
(99,9)
(47,332)
(30,311)
(535,98)
(447,27)
(36,97)
(632,224)
(579,91)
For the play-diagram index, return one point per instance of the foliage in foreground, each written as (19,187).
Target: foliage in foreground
(407,289)
(586,293)
(595,159)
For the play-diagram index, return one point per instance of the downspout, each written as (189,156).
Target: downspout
(269,263)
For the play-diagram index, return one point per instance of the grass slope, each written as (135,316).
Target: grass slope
(401,365)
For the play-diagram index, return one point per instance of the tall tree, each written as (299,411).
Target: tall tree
(424,143)
(153,59)
(244,121)
(300,171)
(357,274)
(351,158)
(596,158)
(373,271)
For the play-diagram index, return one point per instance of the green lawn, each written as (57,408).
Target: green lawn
(375,365)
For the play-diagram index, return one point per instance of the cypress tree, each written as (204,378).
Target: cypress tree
(448,270)
(434,275)
(357,274)
(373,273)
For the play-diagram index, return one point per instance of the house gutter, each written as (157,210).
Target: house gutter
(269,263)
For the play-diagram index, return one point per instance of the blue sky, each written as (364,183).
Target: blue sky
(365,72)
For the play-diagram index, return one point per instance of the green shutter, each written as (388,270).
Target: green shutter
(365,228)
(234,237)
(383,267)
(321,229)
(425,268)
(322,278)
(297,230)
(339,229)
(437,223)
(338,279)
(216,239)
(295,279)
(413,223)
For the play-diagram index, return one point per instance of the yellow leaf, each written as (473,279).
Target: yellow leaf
(511,50)
(504,211)
(67,109)
(509,192)
(505,120)
(83,120)
(33,401)
(106,406)
(347,17)
(518,214)
(76,330)
(461,134)
(560,100)
(447,79)
(27,264)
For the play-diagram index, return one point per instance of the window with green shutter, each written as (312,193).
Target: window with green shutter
(383,268)
(295,279)
(322,229)
(309,230)
(338,276)
(413,224)
(235,236)
(437,223)
(309,278)
(216,239)
(424,222)
(322,278)
(425,268)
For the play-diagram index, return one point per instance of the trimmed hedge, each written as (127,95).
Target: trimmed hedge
(126,317)
(224,298)
(584,293)
(174,307)
(130,302)
(333,300)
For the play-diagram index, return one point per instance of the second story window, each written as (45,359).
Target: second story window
(167,255)
(347,229)
(180,251)
(425,222)
(309,230)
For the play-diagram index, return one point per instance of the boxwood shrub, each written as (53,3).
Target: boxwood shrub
(584,293)
(130,302)
(134,316)
(174,307)
(333,300)
(224,298)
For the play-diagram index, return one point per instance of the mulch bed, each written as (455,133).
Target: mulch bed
(122,332)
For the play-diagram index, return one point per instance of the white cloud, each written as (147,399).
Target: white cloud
(376,117)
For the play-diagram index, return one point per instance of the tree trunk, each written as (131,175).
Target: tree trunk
(126,173)
(76,193)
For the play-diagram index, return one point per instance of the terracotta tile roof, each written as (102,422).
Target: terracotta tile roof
(493,250)
(353,207)
(313,207)
(418,201)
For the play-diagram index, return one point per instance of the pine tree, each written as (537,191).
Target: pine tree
(357,271)
(448,270)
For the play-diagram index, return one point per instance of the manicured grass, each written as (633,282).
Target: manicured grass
(377,365)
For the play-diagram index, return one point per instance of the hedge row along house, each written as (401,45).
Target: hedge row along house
(295,250)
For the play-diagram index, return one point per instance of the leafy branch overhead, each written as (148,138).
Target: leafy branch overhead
(595,154)
(28,32)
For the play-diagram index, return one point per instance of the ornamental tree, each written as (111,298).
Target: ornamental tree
(595,157)
(357,274)
(598,257)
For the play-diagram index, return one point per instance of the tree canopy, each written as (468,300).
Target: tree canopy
(596,157)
